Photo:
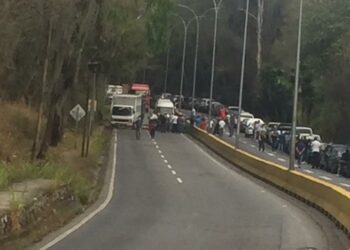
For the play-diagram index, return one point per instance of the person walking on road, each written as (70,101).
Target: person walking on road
(222,125)
(152,126)
(211,126)
(300,148)
(315,149)
(261,138)
(231,124)
(174,121)
(138,126)
(274,138)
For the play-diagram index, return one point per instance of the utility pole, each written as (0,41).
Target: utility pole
(167,68)
(86,122)
(242,74)
(296,90)
(216,9)
(183,59)
(93,67)
(196,18)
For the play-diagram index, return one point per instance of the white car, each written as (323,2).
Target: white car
(246,115)
(249,129)
(303,132)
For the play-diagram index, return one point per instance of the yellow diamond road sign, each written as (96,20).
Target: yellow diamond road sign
(77,112)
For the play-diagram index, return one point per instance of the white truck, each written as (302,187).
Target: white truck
(125,109)
(165,106)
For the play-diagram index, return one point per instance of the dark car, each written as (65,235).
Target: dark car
(331,155)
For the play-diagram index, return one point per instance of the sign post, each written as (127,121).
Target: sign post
(77,113)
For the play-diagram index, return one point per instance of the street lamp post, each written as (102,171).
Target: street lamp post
(183,57)
(296,89)
(196,18)
(242,74)
(216,8)
(167,68)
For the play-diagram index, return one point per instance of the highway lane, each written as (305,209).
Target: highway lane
(171,194)
(251,146)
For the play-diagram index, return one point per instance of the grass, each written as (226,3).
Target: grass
(4,177)
(17,129)
(64,164)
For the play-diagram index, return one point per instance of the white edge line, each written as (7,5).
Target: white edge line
(179,180)
(325,178)
(345,185)
(173,172)
(95,212)
(170,167)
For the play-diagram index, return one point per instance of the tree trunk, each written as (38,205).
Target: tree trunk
(38,131)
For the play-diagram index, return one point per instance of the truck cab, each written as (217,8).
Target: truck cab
(165,106)
(125,109)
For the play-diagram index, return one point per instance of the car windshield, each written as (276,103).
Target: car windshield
(303,131)
(164,110)
(340,148)
(122,111)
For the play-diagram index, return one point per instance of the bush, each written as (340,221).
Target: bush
(17,128)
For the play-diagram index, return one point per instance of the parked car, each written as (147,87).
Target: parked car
(312,137)
(284,127)
(204,105)
(249,126)
(331,155)
(233,109)
(303,132)
(166,96)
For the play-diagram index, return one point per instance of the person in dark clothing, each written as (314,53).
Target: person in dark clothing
(274,137)
(216,128)
(162,121)
(231,124)
(345,163)
(261,134)
(281,142)
(138,126)
(299,151)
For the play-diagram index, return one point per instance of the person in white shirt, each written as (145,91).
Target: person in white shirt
(315,149)
(222,125)
(174,123)
(211,126)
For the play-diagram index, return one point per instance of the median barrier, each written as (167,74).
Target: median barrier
(332,200)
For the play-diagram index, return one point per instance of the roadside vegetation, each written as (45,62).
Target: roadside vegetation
(63,164)
(50,53)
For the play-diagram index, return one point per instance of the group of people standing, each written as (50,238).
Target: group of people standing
(303,148)
(166,123)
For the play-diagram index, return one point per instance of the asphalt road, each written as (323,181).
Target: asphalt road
(251,146)
(171,194)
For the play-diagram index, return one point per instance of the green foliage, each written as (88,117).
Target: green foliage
(4,178)
(62,175)
(275,97)
(157,24)
(325,34)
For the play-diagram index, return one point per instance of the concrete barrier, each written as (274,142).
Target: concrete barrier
(332,200)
